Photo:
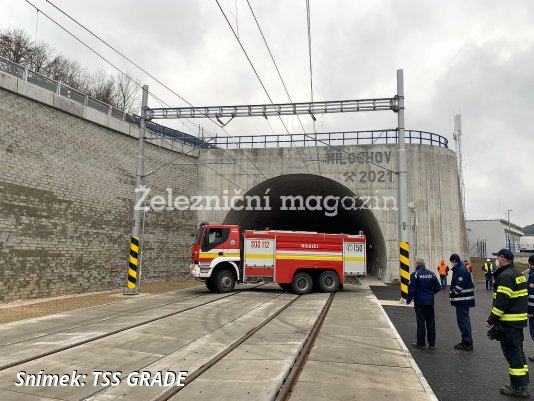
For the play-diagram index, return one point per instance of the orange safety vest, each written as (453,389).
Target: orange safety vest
(442,268)
(468,266)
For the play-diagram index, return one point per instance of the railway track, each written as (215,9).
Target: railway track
(265,312)
(281,393)
(109,333)
(284,393)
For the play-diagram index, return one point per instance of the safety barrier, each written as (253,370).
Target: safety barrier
(339,138)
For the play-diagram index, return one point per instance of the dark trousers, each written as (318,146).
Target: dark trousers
(531,327)
(443,281)
(489,282)
(512,348)
(464,324)
(426,324)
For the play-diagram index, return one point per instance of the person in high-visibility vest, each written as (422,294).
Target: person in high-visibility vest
(468,266)
(530,283)
(488,273)
(443,271)
(462,297)
(510,310)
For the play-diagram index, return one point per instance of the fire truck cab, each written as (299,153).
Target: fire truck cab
(224,255)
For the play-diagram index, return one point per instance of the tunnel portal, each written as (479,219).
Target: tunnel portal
(305,202)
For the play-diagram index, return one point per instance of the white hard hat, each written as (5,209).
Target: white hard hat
(488,260)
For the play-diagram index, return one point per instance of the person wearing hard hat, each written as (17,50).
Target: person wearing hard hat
(488,273)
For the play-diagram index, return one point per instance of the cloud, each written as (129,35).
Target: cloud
(493,86)
(472,57)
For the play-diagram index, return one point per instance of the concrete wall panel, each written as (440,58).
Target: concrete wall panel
(66,198)
(432,184)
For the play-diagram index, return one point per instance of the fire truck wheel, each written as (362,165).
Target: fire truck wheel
(285,286)
(224,281)
(210,285)
(329,281)
(302,283)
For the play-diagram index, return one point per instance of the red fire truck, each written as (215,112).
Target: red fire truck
(296,260)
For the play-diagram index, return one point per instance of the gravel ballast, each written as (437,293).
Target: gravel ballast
(21,309)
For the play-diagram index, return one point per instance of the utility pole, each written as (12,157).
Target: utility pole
(134,265)
(459,155)
(404,247)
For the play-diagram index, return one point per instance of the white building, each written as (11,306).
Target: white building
(527,243)
(487,236)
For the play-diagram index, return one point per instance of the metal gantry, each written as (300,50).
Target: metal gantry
(281,109)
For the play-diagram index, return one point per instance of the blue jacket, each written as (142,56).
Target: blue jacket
(462,291)
(530,284)
(423,285)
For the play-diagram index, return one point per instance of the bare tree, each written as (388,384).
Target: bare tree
(16,45)
(102,87)
(39,57)
(127,93)
(121,91)
(69,72)
(58,68)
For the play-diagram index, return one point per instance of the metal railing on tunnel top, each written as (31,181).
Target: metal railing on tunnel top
(59,88)
(86,100)
(341,138)
(236,142)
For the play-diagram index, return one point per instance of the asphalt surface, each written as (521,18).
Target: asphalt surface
(457,375)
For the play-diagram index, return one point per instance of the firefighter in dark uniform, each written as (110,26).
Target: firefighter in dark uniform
(510,306)
(530,283)
(462,297)
(423,285)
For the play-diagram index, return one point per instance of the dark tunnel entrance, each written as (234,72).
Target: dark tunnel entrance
(316,197)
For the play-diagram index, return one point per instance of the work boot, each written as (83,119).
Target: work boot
(514,391)
(464,347)
(418,346)
(531,359)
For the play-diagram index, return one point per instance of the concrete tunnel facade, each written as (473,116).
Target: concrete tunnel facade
(362,180)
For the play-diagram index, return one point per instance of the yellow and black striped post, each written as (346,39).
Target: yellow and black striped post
(133,288)
(404,268)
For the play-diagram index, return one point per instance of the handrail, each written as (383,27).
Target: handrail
(339,138)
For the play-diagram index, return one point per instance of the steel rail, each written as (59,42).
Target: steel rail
(291,380)
(110,333)
(195,374)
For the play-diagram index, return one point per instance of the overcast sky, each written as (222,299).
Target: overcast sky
(473,57)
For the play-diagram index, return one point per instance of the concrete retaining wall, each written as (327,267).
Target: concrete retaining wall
(433,185)
(67,177)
